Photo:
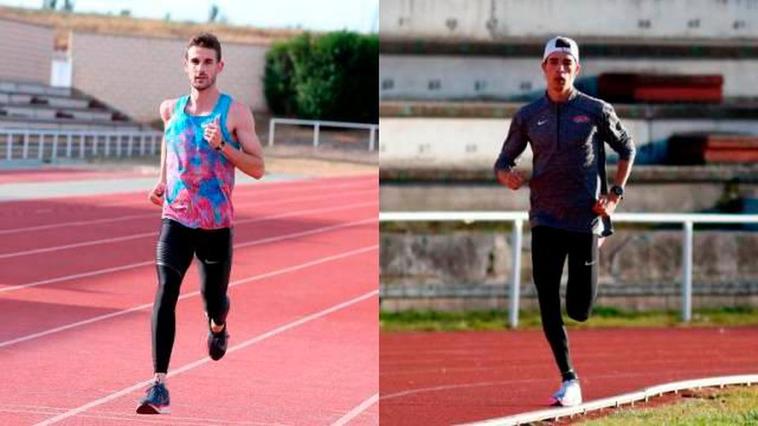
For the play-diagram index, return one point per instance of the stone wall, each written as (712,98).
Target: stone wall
(470,269)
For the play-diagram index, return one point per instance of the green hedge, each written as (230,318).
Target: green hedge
(329,77)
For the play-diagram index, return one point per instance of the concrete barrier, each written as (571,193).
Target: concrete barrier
(639,269)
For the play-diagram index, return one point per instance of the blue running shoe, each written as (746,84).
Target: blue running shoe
(156,400)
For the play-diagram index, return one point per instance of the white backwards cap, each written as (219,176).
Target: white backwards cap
(561,44)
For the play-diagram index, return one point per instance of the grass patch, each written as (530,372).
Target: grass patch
(602,317)
(734,406)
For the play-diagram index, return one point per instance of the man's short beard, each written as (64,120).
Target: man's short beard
(212,81)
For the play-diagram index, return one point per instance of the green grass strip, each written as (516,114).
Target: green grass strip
(602,317)
(734,406)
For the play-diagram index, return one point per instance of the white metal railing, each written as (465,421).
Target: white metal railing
(317,125)
(77,143)
(686,219)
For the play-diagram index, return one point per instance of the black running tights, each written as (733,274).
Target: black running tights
(550,248)
(176,247)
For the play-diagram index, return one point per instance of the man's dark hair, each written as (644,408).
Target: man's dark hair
(206,40)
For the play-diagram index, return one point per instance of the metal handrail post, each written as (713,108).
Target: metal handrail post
(9,146)
(55,146)
(271,130)
(82,140)
(154,143)
(40,145)
(515,273)
(129,143)
(25,150)
(687,272)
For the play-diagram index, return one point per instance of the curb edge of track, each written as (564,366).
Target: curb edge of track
(616,401)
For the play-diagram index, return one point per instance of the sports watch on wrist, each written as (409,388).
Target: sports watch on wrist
(617,191)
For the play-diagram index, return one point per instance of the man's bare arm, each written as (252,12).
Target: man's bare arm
(156,194)
(249,159)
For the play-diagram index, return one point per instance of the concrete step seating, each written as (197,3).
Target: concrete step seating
(25,105)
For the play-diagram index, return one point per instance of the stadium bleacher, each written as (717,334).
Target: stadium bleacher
(30,106)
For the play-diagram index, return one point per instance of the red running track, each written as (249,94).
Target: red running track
(447,378)
(77,287)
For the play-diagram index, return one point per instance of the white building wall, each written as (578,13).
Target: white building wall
(492,20)
(26,51)
(134,74)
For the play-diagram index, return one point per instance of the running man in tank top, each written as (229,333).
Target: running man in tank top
(207,135)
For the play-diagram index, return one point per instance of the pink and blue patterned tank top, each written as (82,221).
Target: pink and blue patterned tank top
(199,179)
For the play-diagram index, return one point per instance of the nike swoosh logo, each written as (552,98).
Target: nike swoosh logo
(541,122)
(590,263)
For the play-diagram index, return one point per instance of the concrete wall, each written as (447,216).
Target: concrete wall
(470,77)
(476,142)
(641,269)
(492,20)
(26,52)
(134,74)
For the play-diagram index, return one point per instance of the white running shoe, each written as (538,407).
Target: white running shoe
(569,395)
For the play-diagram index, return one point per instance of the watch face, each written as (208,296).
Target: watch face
(617,190)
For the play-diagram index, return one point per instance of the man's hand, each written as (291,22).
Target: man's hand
(212,133)
(606,205)
(156,194)
(512,179)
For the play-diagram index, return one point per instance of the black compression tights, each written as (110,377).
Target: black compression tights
(176,247)
(550,248)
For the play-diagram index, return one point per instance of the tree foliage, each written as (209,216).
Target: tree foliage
(333,76)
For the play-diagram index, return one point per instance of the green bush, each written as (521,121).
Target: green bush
(277,84)
(332,77)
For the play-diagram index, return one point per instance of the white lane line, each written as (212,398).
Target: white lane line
(152,262)
(76,276)
(155,233)
(185,296)
(120,415)
(187,367)
(76,223)
(131,418)
(355,412)
(156,213)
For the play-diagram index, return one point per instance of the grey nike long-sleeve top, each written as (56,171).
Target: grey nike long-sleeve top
(565,139)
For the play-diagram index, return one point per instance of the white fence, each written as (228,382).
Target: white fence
(317,125)
(686,220)
(52,144)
